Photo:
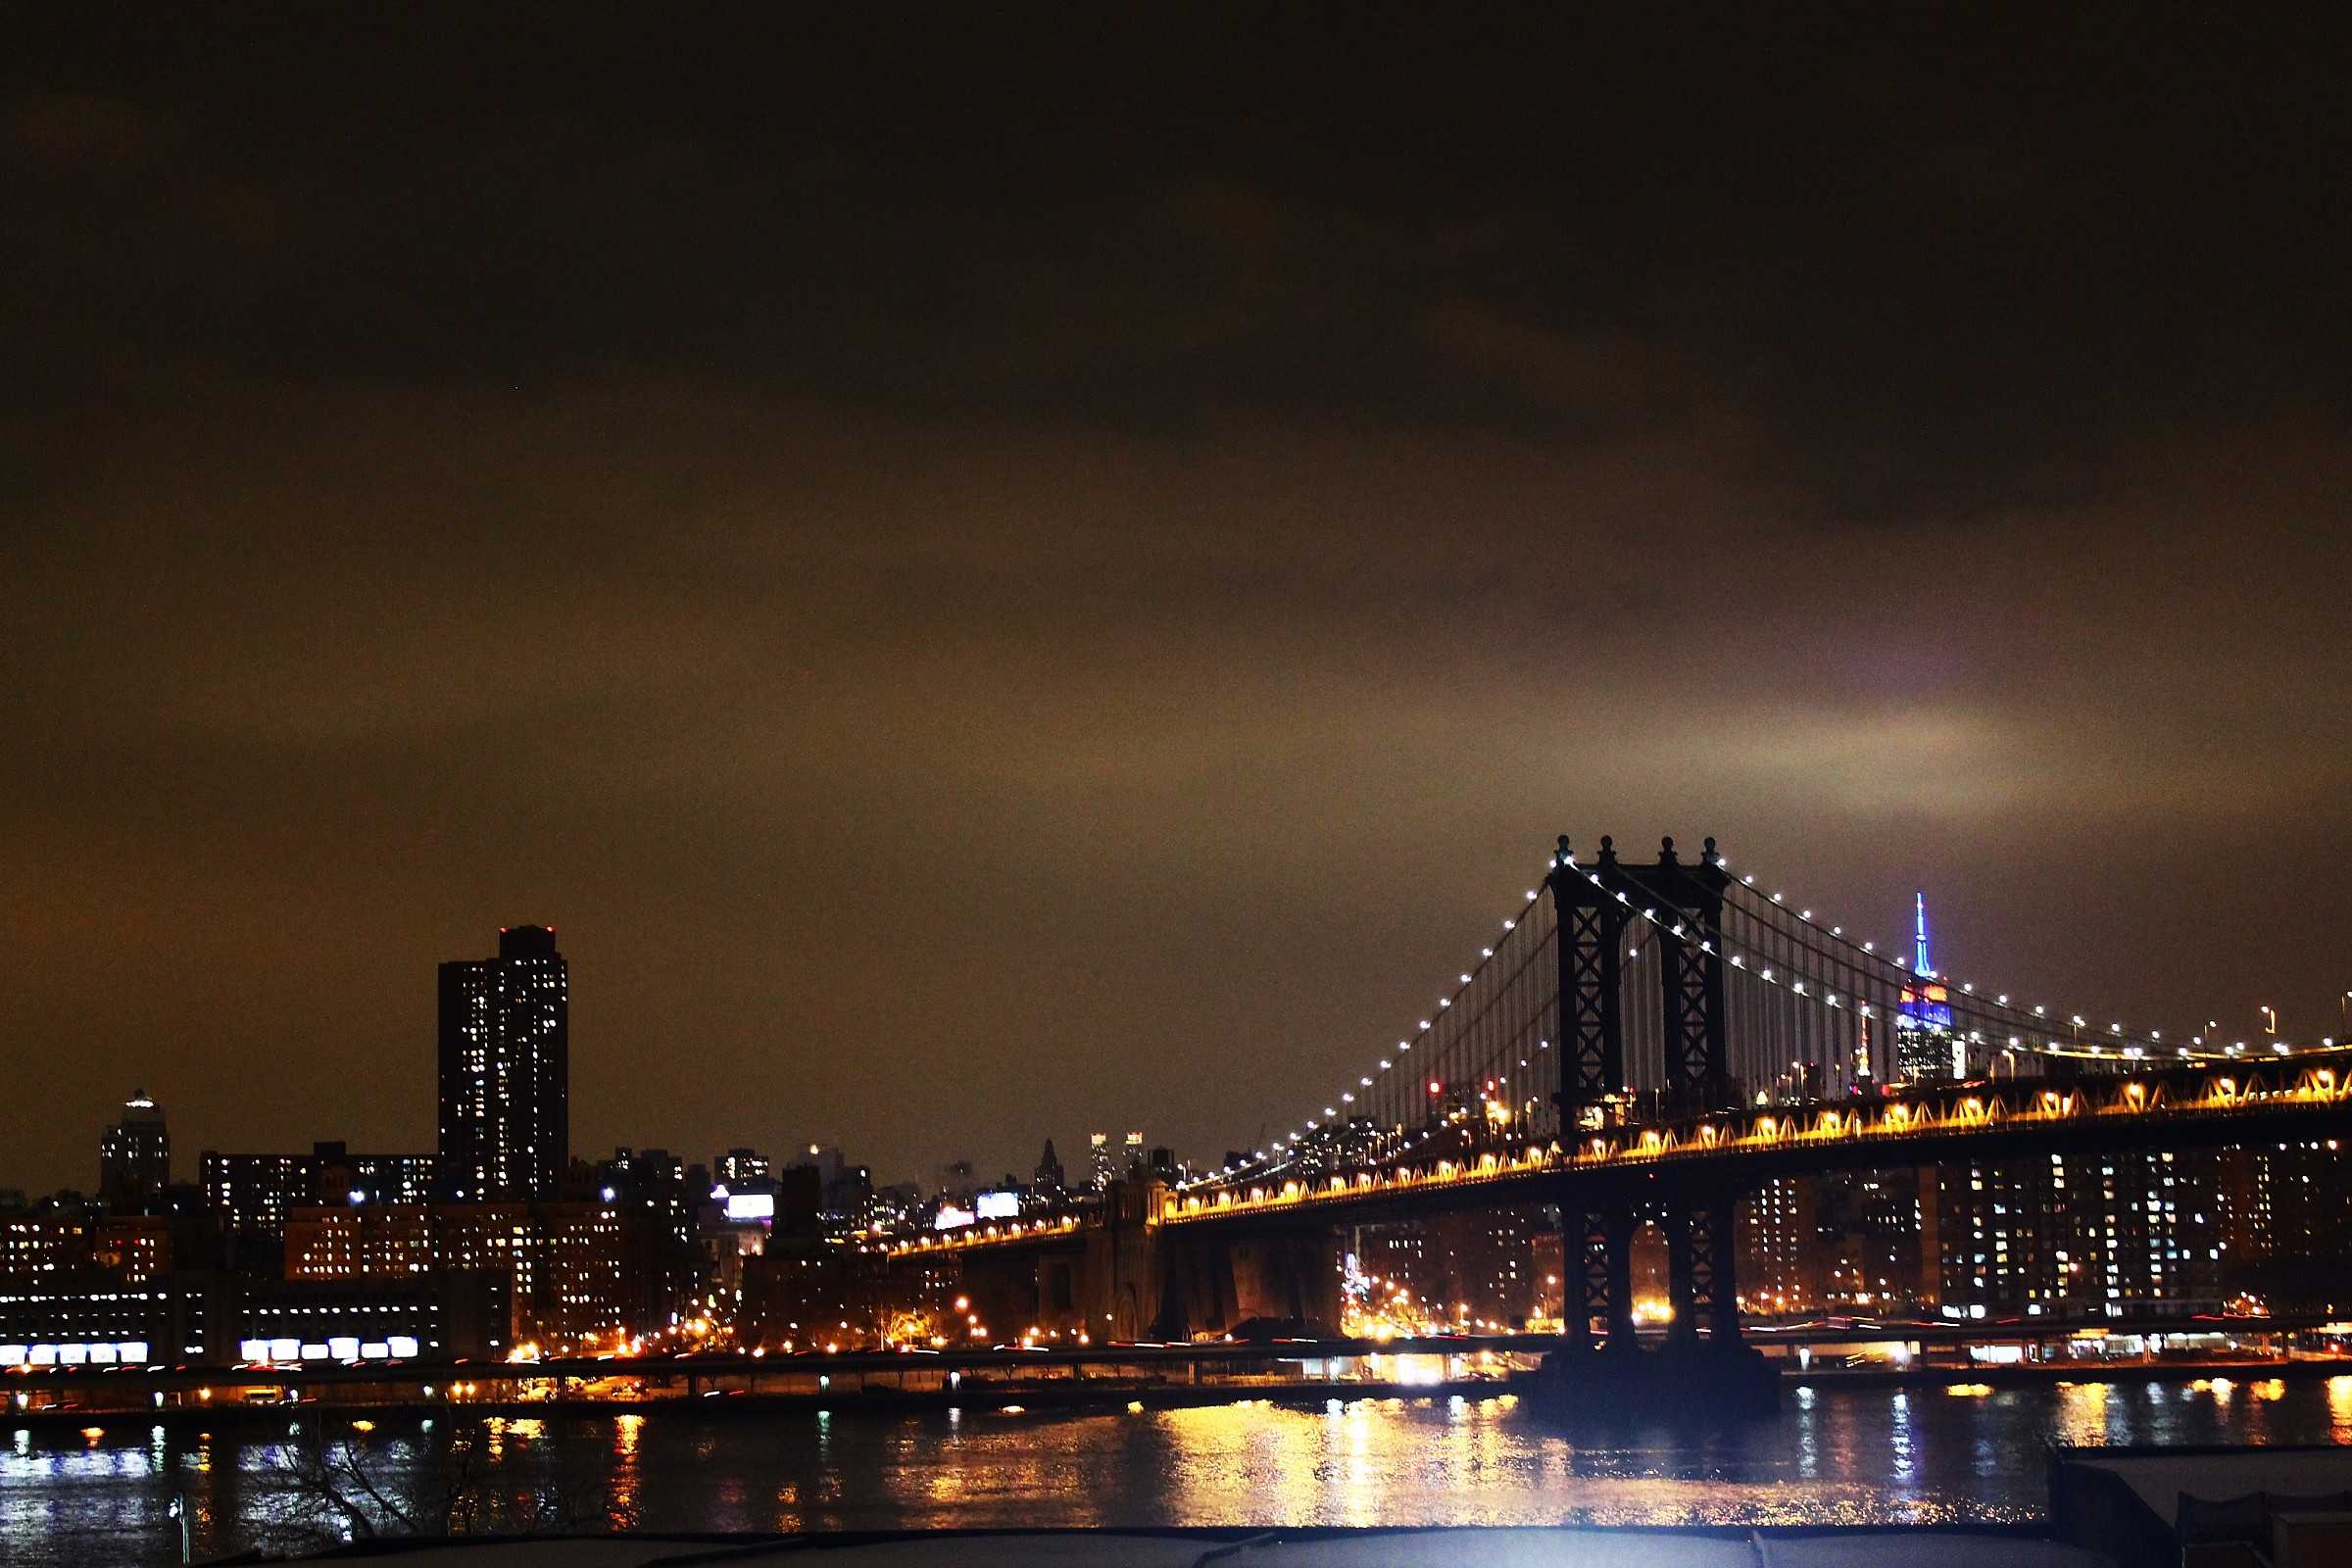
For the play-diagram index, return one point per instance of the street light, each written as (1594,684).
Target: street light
(2269,1017)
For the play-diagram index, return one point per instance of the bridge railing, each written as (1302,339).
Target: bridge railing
(1911,1120)
(1905,1124)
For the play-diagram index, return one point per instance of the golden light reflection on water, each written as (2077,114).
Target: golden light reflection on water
(1835,1456)
(1468,1462)
(2081,1413)
(621,1506)
(986,1468)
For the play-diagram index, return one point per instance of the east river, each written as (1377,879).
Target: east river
(1837,1456)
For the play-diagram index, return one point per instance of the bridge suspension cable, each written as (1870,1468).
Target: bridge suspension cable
(1809,1013)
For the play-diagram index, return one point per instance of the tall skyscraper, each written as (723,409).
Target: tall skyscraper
(506,1127)
(134,1158)
(1924,1046)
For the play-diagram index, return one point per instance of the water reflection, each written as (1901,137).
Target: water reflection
(620,1502)
(2081,1413)
(1835,1456)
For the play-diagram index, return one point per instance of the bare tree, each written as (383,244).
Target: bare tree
(332,1486)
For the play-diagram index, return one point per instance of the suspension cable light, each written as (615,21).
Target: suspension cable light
(1832,968)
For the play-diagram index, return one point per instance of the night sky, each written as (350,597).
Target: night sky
(1002,572)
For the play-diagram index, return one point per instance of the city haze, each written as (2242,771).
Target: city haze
(966,646)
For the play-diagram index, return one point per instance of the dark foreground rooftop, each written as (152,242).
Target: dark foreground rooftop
(1456,1547)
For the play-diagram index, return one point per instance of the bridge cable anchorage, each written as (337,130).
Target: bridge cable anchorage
(1811,1015)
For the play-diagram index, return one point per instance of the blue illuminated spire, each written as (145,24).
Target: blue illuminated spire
(1920,965)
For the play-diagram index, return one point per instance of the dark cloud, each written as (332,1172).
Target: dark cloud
(1002,573)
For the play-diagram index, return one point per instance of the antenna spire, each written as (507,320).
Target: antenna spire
(1920,965)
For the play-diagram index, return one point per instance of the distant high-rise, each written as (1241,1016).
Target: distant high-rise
(134,1158)
(1099,1176)
(740,1165)
(506,1129)
(1924,1041)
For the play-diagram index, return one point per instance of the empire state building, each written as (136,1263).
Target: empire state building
(1924,1044)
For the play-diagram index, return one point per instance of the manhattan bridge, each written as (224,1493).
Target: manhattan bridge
(1642,1042)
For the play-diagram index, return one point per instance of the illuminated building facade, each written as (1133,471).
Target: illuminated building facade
(36,1247)
(567,1267)
(372,1178)
(61,1246)
(255,1193)
(452,1314)
(739,1165)
(359,1242)
(1470,1270)
(218,1321)
(1867,1230)
(659,1193)
(506,1132)
(2082,1236)
(122,1325)
(2283,1210)
(132,1247)
(1774,1227)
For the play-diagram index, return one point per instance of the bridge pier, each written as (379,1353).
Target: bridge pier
(1721,1265)
(1617,1268)
(1702,1367)
(1681,1289)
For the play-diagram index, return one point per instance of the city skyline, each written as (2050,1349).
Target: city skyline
(1309,782)
(1100,610)
(929,1169)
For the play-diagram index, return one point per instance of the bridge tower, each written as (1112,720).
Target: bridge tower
(1690,936)
(1590,1031)
(1683,903)
(1593,905)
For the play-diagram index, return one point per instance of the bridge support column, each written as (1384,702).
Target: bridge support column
(1585,1273)
(1722,1270)
(1681,1285)
(1702,1371)
(1619,1221)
